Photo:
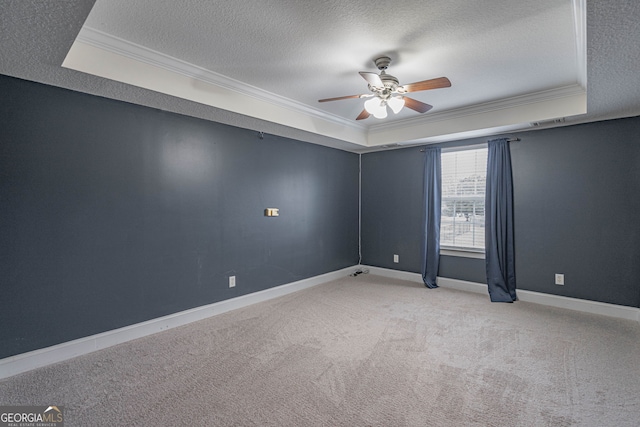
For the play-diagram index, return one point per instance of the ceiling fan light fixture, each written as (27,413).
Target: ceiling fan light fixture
(372,104)
(381,113)
(396,103)
(384,86)
(377,107)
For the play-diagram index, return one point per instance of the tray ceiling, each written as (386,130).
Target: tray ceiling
(511,63)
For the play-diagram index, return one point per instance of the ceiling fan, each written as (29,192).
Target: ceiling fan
(386,91)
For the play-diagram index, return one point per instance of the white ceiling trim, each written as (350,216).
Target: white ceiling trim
(519,110)
(110,43)
(114,66)
(544,96)
(105,55)
(471,134)
(580,22)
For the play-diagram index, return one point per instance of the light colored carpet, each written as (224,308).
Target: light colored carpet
(360,351)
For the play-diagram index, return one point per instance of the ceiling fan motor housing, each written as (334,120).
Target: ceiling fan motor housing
(382,63)
(390,82)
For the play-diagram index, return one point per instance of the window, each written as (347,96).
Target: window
(464,177)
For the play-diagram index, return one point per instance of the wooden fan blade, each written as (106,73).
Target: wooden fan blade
(438,83)
(372,78)
(416,105)
(363,115)
(339,98)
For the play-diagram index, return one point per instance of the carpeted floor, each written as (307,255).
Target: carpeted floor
(360,351)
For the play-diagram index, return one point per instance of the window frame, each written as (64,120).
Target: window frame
(460,251)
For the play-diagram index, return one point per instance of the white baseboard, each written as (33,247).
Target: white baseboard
(594,307)
(14,365)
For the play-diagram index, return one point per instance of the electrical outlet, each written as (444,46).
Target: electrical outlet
(559,279)
(396,258)
(232,281)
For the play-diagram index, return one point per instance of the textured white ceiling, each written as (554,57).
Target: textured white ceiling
(36,35)
(305,51)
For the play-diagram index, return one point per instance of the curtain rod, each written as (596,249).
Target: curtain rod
(508,140)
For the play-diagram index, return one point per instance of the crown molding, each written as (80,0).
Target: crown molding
(580,24)
(105,55)
(136,52)
(486,107)
(512,113)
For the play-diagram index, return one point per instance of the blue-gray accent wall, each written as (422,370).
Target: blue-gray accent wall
(112,213)
(576,211)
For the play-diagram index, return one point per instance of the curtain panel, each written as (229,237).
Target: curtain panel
(432,212)
(499,239)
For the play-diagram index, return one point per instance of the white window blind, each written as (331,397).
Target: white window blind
(464,177)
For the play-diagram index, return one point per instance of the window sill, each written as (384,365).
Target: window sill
(462,253)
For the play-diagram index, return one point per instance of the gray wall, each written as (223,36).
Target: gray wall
(112,214)
(576,211)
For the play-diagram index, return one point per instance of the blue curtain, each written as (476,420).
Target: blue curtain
(432,201)
(499,244)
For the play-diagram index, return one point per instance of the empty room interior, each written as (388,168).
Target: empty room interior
(292,213)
